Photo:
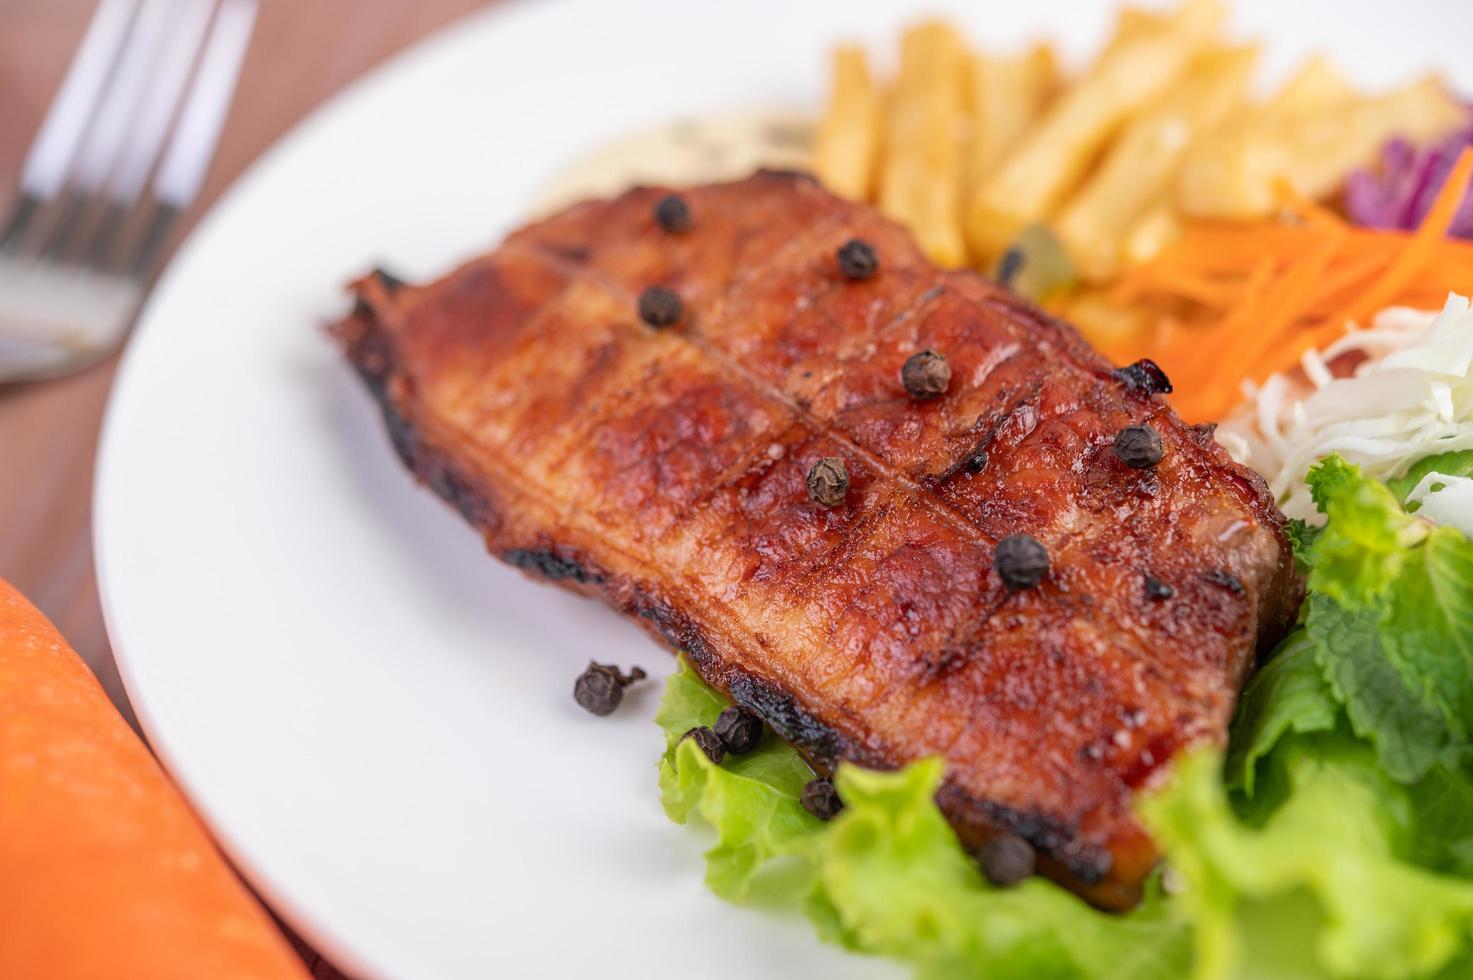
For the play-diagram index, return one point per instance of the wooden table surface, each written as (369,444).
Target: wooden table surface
(302,51)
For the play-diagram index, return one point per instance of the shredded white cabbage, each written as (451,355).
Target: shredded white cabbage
(1445,500)
(1412,397)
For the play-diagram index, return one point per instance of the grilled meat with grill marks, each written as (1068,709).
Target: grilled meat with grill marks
(664,468)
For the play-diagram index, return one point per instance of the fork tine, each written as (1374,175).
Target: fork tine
(75,104)
(104,139)
(20,217)
(67,119)
(166,87)
(193,143)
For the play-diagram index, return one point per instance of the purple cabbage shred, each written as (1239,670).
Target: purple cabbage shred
(1399,191)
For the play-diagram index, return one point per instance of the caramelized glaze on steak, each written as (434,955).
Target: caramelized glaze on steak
(663,470)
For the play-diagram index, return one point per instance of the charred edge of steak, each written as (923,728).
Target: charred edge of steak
(1090,865)
(550,564)
(373,357)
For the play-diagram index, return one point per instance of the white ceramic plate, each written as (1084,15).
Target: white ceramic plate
(373,715)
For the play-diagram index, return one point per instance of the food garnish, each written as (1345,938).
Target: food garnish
(1399,190)
(600,688)
(857,260)
(660,307)
(828,482)
(1007,859)
(1240,302)
(707,741)
(1021,561)
(738,729)
(1139,446)
(1409,399)
(925,374)
(820,798)
(673,214)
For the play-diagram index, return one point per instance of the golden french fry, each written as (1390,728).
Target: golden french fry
(1140,164)
(1115,330)
(1131,24)
(1005,95)
(1057,149)
(846,149)
(1157,227)
(920,171)
(1314,86)
(1232,173)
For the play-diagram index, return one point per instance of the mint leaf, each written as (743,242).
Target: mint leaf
(1302,536)
(1390,616)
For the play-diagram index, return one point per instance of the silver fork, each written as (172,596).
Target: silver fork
(119,157)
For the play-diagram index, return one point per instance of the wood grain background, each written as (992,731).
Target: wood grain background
(302,51)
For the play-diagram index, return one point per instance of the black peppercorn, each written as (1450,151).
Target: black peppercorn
(821,799)
(926,374)
(708,742)
(600,688)
(673,214)
(1157,589)
(1021,561)
(857,260)
(1144,376)
(1225,580)
(738,729)
(1139,446)
(977,462)
(1009,266)
(828,482)
(1007,860)
(660,307)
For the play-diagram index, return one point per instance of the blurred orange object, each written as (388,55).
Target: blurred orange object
(104,869)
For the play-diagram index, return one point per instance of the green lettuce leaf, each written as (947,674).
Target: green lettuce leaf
(1323,887)
(1288,694)
(1339,871)
(888,876)
(1390,616)
(1448,464)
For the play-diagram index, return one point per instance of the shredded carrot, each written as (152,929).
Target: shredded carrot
(1237,302)
(1423,245)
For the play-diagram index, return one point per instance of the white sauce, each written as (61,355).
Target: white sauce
(694,151)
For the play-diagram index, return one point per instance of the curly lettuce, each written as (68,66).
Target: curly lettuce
(887,876)
(1335,839)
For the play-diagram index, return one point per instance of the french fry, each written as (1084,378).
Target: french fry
(1314,86)
(1139,166)
(921,168)
(1055,152)
(1157,227)
(1132,24)
(846,149)
(1005,95)
(1233,173)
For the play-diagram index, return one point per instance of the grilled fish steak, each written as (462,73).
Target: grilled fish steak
(664,471)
